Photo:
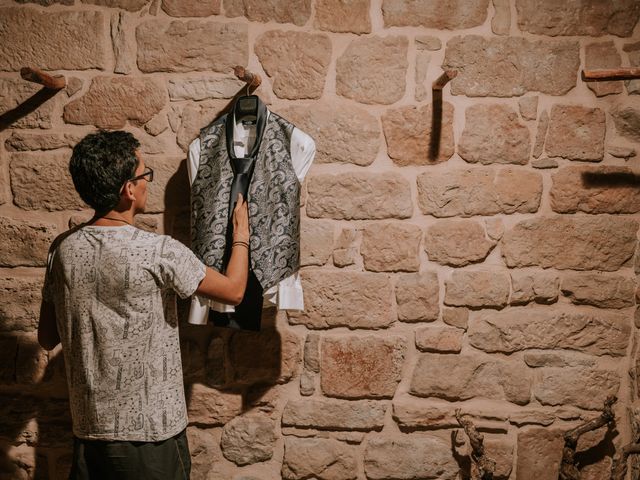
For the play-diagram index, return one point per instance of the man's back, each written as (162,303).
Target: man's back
(113,289)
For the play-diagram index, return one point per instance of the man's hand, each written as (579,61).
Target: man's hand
(241,221)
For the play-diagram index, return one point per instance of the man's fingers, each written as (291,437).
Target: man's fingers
(238,202)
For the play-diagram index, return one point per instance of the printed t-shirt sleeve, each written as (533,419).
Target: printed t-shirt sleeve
(180,269)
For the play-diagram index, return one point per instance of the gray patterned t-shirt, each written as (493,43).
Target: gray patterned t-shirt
(114,294)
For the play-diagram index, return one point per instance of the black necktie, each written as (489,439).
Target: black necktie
(242,172)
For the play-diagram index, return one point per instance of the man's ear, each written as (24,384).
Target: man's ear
(127,192)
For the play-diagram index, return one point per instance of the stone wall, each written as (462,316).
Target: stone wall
(496,275)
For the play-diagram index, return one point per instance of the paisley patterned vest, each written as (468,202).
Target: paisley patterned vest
(273,198)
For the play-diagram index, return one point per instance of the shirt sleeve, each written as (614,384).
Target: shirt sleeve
(303,151)
(193,159)
(180,269)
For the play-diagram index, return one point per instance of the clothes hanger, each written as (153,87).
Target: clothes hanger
(246,107)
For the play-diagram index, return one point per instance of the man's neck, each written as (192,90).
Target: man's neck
(114,218)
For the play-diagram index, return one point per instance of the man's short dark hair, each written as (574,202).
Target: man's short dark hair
(100,164)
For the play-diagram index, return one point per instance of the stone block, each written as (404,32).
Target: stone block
(31,251)
(316,241)
(343,134)
(79,43)
(123,51)
(345,252)
(20,301)
(359,196)
(479,191)
(202,88)
(578,17)
(539,454)
(191,8)
(477,289)
(208,406)
(112,101)
(494,134)
(191,45)
(457,242)
(157,125)
(312,353)
(599,289)
(130,5)
(461,377)
(406,457)
(47,3)
(501,21)
(344,299)
(296,61)
(439,339)
(627,121)
(373,70)
(423,58)
(343,17)
(329,414)
(324,459)
(411,413)
(576,133)
(580,243)
(25,141)
(583,387)
(589,330)
(529,287)
(605,189)
(511,66)
(409,135)
(557,359)
(456,317)
(31,192)
(528,107)
(204,447)
(248,439)
(541,134)
(169,188)
(361,367)
(196,117)
(440,15)
(391,247)
(280,11)
(418,297)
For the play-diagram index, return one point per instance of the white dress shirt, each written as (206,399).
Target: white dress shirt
(287,295)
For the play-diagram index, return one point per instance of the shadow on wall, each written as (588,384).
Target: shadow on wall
(35,436)
(610,179)
(220,360)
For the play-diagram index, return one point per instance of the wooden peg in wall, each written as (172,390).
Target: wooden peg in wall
(610,74)
(251,79)
(38,76)
(443,79)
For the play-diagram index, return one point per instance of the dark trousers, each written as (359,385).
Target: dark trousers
(120,460)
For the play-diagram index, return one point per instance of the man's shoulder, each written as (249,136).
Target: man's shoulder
(65,238)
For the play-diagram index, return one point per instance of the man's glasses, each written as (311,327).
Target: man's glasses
(147,175)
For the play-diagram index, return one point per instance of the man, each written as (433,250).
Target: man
(109,298)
